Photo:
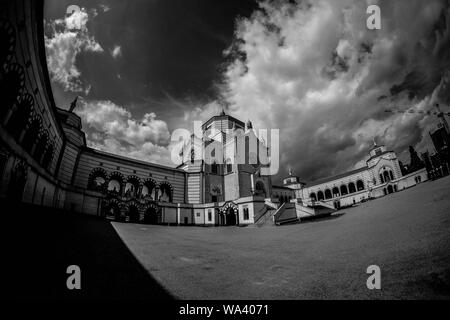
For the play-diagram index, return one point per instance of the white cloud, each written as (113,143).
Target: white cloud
(111,128)
(68,38)
(313,70)
(116,52)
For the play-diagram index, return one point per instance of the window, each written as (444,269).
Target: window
(209,215)
(246,215)
(214,198)
(198,214)
(378,152)
(214,168)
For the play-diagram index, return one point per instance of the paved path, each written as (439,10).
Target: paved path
(407,234)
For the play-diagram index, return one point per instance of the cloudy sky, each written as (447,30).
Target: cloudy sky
(309,68)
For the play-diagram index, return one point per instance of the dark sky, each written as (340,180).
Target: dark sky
(169,49)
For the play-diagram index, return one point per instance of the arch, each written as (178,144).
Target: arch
(7,41)
(351,188)
(228,214)
(386,176)
(260,188)
(132,186)
(229,165)
(12,83)
(344,190)
(20,116)
(390,189)
(112,210)
(336,192)
(17,182)
(48,155)
(133,214)
(31,132)
(320,196)
(149,189)
(313,196)
(151,215)
(328,194)
(115,182)
(41,146)
(391,175)
(214,168)
(360,185)
(97,179)
(166,192)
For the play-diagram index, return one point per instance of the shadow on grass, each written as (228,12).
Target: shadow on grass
(40,243)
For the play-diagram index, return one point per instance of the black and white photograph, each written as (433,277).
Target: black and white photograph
(215,157)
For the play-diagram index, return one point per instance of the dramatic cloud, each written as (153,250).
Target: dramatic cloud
(313,70)
(68,37)
(112,128)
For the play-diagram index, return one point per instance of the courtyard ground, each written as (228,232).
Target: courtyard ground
(406,234)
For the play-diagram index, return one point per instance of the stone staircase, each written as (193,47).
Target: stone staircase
(267,218)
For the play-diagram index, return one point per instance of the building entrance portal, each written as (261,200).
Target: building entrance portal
(228,215)
(133,214)
(151,216)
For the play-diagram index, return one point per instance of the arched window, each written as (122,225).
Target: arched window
(214,168)
(40,147)
(351,188)
(360,185)
(166,191)
(149,189)
(30,134)
(328,194)
(115,182)
(48,156)
(336,192)
(344,190)
(313,196)
(229,166)
(260,189)
(20,116)
(11,86)
(386,176)
(391,175)
(381,178)
(132,186)
(97,179)
(320,196)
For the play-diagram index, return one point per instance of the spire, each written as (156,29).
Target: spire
(73,105)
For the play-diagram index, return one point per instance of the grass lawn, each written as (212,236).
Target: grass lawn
(406,234)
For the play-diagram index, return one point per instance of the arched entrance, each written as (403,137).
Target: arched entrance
(151,216)
(231,219)
(390,189)
(133,214)
(113,211)
(228,215)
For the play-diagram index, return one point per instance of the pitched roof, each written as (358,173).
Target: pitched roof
(339,176)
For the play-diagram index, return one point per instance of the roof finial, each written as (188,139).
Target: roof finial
(290,171)
(73,105)
(223,112)
(374,142)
